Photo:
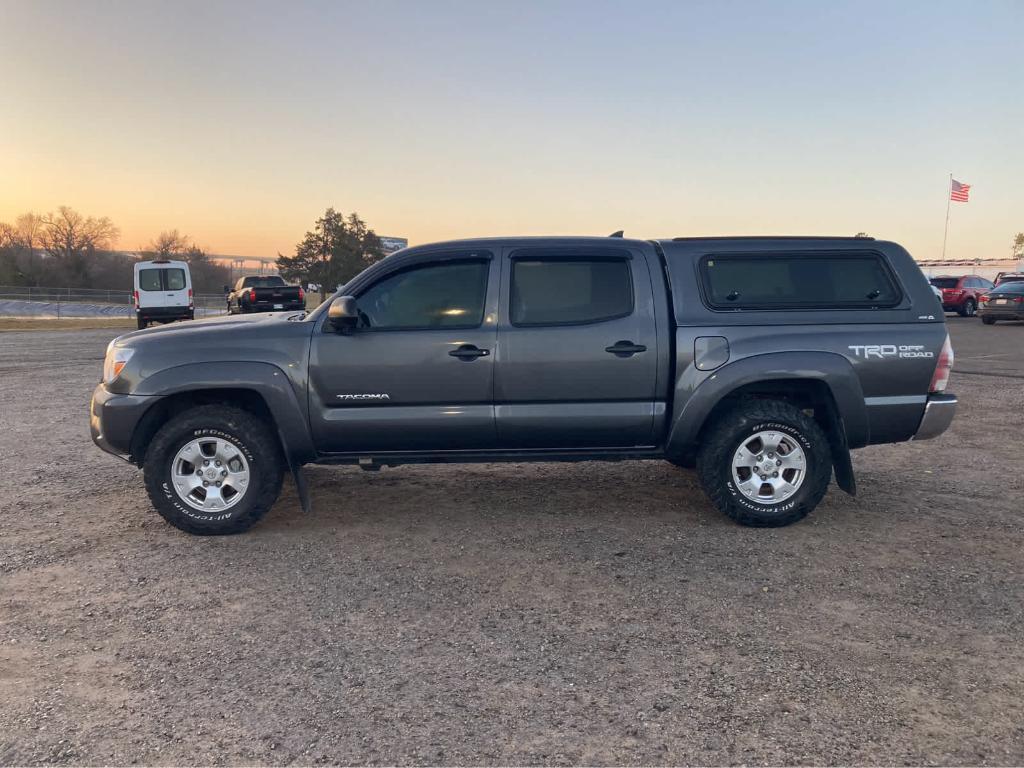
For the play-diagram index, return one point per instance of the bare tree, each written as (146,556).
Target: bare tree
(72,239)
(26,236)
(167,244)
(207,275)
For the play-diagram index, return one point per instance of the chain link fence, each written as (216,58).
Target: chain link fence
(44,302)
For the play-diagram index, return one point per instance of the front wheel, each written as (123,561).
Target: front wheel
(213,470)
(765,464)
(988,320)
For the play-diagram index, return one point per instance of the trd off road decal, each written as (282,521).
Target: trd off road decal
(883,351)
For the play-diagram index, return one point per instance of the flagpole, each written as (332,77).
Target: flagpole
(949,196)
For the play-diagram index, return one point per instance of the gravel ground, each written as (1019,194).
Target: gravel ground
(591,613)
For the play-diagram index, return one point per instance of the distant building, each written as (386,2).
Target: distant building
(392,244)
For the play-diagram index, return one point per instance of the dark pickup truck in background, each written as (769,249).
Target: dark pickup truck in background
(264,293)
(760,361)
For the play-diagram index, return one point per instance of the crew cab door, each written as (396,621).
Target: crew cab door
(417,373)
(578,349)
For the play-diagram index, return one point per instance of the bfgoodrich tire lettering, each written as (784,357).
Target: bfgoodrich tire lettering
(714,462)
(254,440)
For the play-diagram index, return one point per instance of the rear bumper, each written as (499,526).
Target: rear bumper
(267,306)
(1001,313)
(113,418)
(939,411)
(165,313)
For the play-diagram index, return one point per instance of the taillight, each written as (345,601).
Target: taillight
(952,291)
(942,368)
(983,299)
(252,295)
(135,298)
(1018,299)
(191,301)
(302,295)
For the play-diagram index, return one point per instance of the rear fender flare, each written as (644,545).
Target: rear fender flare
(834,370)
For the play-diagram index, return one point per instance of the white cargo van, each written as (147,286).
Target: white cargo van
(163,292)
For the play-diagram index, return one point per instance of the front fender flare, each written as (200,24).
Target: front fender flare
(265,379)
(834,370)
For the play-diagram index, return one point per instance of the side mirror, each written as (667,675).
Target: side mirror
(227,289)
(343,314)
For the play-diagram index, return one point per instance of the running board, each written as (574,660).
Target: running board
(374,461)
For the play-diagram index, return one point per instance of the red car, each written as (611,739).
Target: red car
(961,294)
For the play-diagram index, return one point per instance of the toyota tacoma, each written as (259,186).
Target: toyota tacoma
(760,361)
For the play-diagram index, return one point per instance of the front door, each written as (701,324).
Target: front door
(577,364)
(418,371)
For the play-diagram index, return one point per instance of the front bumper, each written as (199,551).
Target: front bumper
(939,411)
(113,418)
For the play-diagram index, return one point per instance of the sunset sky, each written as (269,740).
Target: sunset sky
(239,123)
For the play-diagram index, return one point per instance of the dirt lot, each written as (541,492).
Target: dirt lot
(593,613)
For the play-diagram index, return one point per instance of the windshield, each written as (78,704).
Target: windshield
(945,282)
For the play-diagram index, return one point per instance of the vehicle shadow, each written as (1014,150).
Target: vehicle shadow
(556,494)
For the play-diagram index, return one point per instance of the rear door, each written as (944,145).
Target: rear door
(577,361)
(149,283)
(418,371)
(176,285)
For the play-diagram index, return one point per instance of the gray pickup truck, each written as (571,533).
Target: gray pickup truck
(759,361)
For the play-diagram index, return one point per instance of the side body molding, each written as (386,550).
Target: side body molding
(692,407)
(267,380)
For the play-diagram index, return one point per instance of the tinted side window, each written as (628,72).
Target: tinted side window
(174,279)
(447,295)
(986,284)
(558,292)
(777,281)
(149,280)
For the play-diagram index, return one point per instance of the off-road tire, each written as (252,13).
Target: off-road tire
(253,437)
(968,309)
(988,320)
(714,462)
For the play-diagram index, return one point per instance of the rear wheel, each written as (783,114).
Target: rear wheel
(213,470)
(968,309)
(765,464)
(142,323)
(988,320)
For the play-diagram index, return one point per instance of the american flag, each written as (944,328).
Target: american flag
(959,191)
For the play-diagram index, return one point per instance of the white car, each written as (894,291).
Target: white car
(163,292)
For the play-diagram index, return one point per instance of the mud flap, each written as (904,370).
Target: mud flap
(301,486)
(841,462)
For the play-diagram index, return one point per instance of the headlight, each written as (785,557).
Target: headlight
(115,361)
